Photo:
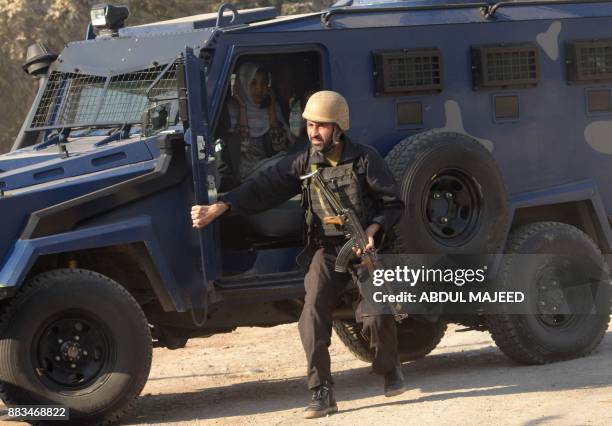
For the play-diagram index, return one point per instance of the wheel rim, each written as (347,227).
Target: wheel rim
(552,281)
(72,352)
(452,206)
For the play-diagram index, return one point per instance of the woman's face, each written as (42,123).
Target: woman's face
(258,87)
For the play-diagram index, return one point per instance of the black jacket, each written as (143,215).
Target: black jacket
(281,181)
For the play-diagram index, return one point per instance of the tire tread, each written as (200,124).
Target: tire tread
(39,282)
(503,329)
(350,335)
(407,152)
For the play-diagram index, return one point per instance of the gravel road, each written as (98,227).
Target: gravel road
(255,376)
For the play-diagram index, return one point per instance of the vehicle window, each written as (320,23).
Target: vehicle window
(261,117)
(72,100)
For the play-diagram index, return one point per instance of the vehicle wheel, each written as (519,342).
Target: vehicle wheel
(454,193)
(571,257)
(415,339)
(76,338)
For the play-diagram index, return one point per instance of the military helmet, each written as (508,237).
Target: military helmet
(327,107)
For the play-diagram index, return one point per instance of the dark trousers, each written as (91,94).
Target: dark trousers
(323,287)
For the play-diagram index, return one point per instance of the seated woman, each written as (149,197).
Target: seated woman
(256,128)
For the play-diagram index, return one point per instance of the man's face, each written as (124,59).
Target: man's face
(320,134)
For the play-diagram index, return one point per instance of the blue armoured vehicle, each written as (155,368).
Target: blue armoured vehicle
(494,117)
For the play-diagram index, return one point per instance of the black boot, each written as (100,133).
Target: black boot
(322,403)
(394,381)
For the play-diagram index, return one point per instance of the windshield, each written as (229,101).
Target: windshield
(79,100)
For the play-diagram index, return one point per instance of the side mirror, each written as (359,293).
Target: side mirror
(38,59)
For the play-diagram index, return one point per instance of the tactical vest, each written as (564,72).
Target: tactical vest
(346,181)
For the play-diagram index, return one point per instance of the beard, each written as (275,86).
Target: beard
(323,144)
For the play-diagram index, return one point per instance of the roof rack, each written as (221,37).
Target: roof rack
(243,17)
(328,14)
(487,9)
(226,16)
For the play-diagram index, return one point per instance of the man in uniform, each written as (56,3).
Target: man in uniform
(361,179)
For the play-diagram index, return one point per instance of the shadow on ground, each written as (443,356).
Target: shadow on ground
(466,374)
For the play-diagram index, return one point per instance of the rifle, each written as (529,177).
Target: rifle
(347,219)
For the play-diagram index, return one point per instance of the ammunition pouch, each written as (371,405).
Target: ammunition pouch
(346,182)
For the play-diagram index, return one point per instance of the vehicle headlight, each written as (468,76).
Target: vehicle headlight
(98,17)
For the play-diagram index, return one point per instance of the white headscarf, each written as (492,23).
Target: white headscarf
(258,118)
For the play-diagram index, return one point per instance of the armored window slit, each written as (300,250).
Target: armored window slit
(407,71)
(589,61)
(505,66)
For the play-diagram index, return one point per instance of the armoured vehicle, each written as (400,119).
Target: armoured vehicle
(494,117)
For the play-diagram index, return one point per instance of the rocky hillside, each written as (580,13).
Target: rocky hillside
(56,22)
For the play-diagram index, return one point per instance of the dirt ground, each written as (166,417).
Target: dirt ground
(254,376)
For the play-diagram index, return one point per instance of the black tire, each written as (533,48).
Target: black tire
(94,326)
(544,337)
(415,339)
(436,164)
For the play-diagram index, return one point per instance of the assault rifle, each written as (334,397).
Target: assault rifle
(347,219)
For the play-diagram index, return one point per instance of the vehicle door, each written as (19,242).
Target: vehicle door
(193,105)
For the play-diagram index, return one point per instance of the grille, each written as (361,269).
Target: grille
(596,61)
(589,61)
(499,67)
(411,72)
(408,71)
(511,66)
(165,87)
(82,95)
(71,100)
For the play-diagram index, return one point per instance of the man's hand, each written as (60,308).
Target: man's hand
(370,232)
(203,215)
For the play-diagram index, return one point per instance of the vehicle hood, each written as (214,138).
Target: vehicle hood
(32,165)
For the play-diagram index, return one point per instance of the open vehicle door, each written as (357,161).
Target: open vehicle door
(193,105)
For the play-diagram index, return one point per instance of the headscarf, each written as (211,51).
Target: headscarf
(258,118)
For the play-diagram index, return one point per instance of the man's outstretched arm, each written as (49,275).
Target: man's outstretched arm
(263,191)
(202,215)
